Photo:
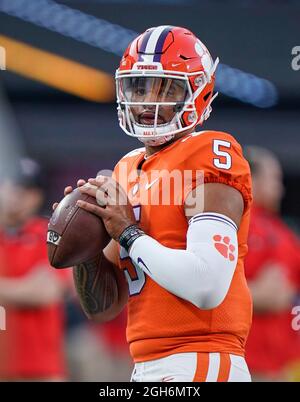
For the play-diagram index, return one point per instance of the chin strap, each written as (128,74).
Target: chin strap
(140,130)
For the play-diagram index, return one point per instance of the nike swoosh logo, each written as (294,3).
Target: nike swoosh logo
(175,64)
(140,261)
(148,185)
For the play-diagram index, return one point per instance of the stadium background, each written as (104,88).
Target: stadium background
(52,112)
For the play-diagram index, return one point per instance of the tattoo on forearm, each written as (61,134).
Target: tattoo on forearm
(95,285)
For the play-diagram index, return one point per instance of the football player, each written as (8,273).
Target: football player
(189,307)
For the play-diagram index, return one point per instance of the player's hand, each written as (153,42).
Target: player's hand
(114,207)
(69,190)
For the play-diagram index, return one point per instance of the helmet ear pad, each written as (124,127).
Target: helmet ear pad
(201,103)
(203,100)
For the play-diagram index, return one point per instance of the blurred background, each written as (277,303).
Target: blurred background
(57,106)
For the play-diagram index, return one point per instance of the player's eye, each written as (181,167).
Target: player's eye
(171,91)
(140,91)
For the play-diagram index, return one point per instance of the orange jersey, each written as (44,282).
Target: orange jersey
(160,323)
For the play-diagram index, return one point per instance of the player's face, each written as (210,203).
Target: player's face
(147,90)
(18,203)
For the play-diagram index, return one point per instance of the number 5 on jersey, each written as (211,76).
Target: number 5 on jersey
(225,162)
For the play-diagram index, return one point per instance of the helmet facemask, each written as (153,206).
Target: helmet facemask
(151,104)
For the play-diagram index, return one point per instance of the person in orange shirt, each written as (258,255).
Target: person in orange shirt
(30,292)
(272,268)
(177,211)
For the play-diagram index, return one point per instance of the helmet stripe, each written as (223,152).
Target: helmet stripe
(155,38)
(144,43)
(160,44)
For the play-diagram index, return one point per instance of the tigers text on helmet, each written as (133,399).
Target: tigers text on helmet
(164,84)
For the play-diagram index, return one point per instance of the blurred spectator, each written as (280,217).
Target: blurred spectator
(273,270)
(30,290)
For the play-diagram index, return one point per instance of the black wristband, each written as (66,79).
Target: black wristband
(129,235)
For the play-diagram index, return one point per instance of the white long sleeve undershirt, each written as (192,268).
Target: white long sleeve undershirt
(202,273)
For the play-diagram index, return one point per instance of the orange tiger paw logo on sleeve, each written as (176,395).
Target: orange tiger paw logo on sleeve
(223,245)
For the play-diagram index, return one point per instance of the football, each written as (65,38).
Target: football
(74,235)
